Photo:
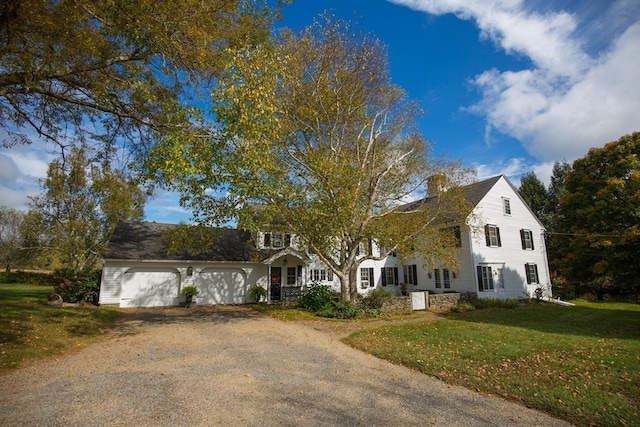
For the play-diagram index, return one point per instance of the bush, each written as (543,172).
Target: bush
(340,309)
(376,298)
(78,289)
(28,278)
(315,296)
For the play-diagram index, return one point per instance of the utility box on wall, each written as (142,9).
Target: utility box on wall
(419,300)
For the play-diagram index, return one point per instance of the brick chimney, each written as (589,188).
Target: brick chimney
(436,185)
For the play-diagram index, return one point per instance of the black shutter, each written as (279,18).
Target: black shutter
(535,267)
(487,235)
(526,271)
(531,235)
(479,270)
(415,274)
(522,240)
(498,234)
(384,277)
(267,240)
(395,276)
(372,283)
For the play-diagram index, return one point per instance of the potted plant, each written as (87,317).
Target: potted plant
(189,292)
(403,288)
(256,292)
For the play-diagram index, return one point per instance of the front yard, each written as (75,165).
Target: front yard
(579,363)
(30,329)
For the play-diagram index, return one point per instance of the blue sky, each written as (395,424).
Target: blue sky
(507,86)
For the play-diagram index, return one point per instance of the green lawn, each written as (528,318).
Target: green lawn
(30,329)
(578,363)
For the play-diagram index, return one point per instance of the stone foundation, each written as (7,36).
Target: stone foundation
(397,304)
(436,301)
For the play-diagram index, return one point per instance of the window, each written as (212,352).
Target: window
(485,278)
(492,235)
(366,278)
(531,270)
(506,204)
(410,274)
(447,278)
(526,237)
(277,240)
(389,276)
(364,248)
(291,276)
(189,271)
(453,234)
(321,275)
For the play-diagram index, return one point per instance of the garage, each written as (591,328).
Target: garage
(150,287)
(221,286)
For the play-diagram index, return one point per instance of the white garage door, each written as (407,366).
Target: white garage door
(150,288)
(221,286)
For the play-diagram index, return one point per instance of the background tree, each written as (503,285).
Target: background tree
(533,192)
(314,133)
(112,69)
(80,207)
(12,239)
(19,238)
(600,219)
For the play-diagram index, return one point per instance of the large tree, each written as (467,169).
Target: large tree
(80,207)
(110,69)
(600,219)
(315,138)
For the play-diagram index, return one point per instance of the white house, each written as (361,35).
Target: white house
(502,251)
(502,254)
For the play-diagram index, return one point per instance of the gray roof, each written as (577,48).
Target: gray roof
(150,241)
(476,191)
(473,193)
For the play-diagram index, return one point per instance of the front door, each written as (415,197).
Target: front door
(276,283)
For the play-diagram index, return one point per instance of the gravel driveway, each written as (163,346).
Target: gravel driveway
(232,366)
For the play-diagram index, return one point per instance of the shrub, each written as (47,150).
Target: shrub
(82,289)
(340,309)
(28,278)
(315,296)
(376,298)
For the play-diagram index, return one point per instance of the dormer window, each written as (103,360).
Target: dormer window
(276,240)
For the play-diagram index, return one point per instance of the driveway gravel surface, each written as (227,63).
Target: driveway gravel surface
(232,366)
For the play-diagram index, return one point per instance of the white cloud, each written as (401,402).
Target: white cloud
(8,170)
(568,100)
(21,168)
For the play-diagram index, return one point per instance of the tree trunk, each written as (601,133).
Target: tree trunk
(353,283)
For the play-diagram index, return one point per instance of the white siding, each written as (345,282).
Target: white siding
(221,286)
(510,256)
